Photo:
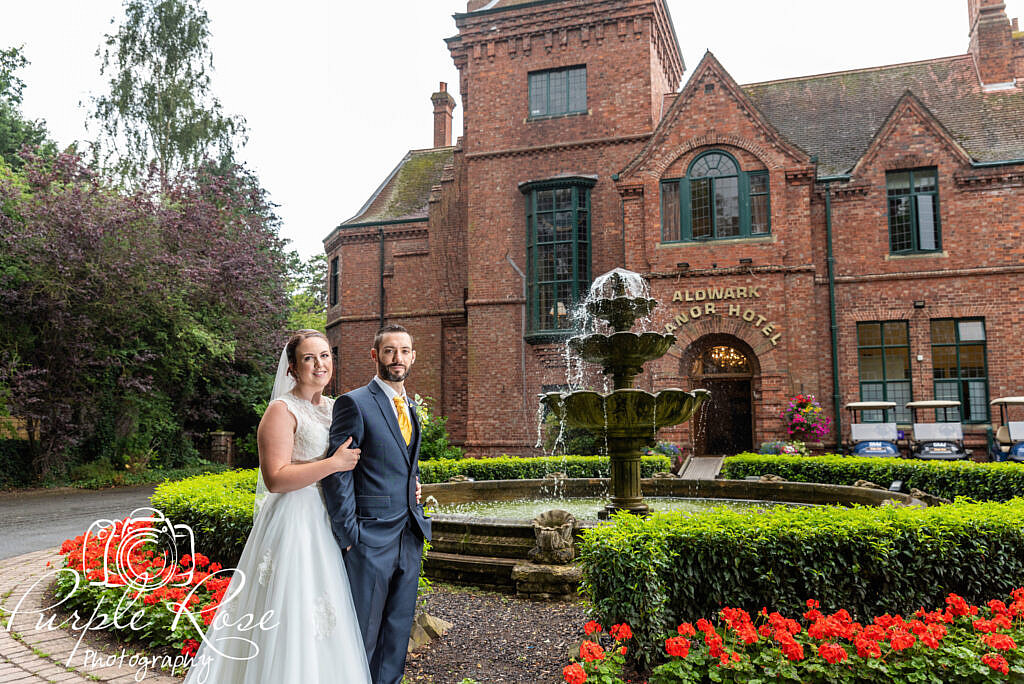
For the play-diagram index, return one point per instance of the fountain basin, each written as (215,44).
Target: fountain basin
(492,552)
(622,354)
(625,412)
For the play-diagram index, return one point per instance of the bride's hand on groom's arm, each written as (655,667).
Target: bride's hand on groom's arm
(275,439)
(345,457)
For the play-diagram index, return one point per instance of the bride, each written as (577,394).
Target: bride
(287,615)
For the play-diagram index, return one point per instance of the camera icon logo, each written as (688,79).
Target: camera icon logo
(125,546)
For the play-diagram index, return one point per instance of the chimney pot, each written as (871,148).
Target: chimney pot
(444,103)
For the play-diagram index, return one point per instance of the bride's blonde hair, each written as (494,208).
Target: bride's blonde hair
(295,340)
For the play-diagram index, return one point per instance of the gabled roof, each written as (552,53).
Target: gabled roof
(910,106)
(405,193)
(710,67)
(836,116)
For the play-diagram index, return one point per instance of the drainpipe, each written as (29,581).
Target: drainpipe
(830,260)
(380,240)
(522,328)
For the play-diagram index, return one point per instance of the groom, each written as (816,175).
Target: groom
(373,508)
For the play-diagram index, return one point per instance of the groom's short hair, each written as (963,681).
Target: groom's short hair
(391,328)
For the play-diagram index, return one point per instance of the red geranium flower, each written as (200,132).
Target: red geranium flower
(996,662)
(677,646)
(832,653)
(621,632)
(190,647)
(591,627)
(574,674)
(686,629)
(591,651)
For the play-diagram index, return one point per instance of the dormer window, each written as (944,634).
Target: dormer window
(557,92)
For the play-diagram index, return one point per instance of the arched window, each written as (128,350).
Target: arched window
(715,200)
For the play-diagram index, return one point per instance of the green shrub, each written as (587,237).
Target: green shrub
(949,479)
(518,468)
(434,440)
(656,572)
(218,508)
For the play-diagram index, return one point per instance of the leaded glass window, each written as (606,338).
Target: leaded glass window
(558,91)
(558,250)
(959,366)
(883,360)
(716,200)
(913,210)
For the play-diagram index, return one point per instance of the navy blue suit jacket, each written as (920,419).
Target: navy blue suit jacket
(372,504)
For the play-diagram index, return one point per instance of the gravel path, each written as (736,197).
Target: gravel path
(497,638)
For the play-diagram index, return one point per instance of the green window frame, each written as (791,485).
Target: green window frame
(716,200)
(913,209)
(557,92)
(557,251)
(960,366)
(883,367)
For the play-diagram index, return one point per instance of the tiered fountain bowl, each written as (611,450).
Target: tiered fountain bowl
(627,418)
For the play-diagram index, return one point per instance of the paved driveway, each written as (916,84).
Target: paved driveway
(42,519)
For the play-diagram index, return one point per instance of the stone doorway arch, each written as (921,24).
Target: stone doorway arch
(727,367)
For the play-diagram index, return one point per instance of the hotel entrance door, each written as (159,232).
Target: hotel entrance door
(728,424)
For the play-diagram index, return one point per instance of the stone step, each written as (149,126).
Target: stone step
(490,572)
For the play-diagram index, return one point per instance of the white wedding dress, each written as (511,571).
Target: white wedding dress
(291,565)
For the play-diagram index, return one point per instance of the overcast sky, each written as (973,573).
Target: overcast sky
(336,91)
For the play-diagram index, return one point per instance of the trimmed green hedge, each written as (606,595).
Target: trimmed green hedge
(517,468)
(218,507)
(657,572)
(948,479)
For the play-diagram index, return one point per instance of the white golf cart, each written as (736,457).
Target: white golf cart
(1009,441)
(873,439)
(936,441)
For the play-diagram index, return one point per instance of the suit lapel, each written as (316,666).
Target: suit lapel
(414,443)
(388,409)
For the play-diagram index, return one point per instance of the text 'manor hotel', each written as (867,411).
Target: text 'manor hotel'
(589,145)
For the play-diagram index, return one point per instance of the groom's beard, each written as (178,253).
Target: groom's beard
(395,374)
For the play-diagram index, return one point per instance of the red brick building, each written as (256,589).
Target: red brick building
(856,235)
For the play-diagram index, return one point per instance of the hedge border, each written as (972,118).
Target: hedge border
(947,479)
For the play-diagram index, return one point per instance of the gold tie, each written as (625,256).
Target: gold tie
(403,419)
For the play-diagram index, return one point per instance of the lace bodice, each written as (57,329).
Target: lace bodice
(313,426)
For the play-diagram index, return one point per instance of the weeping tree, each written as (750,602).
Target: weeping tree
(160,114)
(17,132)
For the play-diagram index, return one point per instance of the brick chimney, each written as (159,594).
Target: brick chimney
(991,43)
(444,103)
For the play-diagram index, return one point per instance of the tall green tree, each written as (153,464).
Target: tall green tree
(160,110)
(15,130)
(307,308)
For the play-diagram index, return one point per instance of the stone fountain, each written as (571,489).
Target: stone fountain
(626,417)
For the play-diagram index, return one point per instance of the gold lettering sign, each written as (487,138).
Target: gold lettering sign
(708,295)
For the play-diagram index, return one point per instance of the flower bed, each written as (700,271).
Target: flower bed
(138,592)
(949,479)
(961,643)
(670,567)
(218,507)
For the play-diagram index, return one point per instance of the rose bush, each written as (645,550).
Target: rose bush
(960,642)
